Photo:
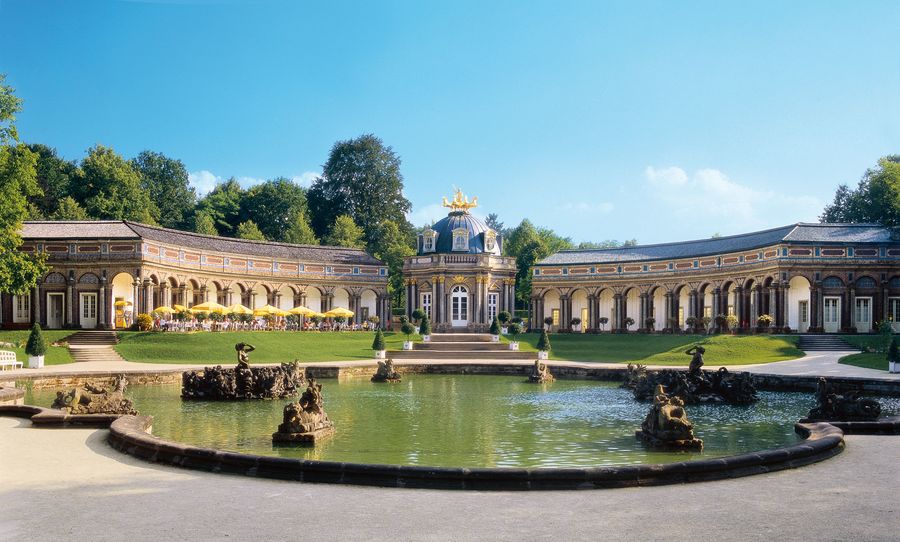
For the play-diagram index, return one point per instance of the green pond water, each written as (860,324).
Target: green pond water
(469,421)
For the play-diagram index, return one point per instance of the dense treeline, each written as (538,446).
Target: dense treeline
(876,199)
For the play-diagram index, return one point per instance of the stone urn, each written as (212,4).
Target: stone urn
(495,338)
(407,345)
(893,367)
(504,330)
(426,338)
(380,354)
(35,362)
(513,345)
(543,354)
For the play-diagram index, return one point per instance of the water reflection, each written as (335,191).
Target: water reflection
(473,421)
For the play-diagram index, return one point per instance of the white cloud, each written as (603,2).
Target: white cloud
(710,196)
(603,207)
(427,214)
(203,181)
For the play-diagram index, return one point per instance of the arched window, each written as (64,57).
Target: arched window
(460,239)
(490,240)
(866,283)
(429,237)
(832,282)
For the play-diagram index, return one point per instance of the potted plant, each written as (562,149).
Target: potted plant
(504,317)
(144,322)
(691,322)
(495,330)
(575,323)
(705,321)
(36,347)
(417,315)
(603,320)
(649,323)
(673,325)
(374,320)
(629,321)
(893,357)
(548,321)
(763,322)
(731,321)
(543,345)
(425,328)
(407,329)
(378,345)
(721,322)
(514,329)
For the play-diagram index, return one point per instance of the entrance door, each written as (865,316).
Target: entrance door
(88,305)
(832,316)
(55,311)
(804,316)
(894,313)
(584,319)
(863,314)
(459,306)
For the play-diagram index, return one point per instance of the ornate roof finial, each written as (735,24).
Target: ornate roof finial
(460,202)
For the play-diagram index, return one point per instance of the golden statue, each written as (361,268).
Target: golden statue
(460,202)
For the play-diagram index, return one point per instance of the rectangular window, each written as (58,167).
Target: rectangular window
(730,309)
(426,303)
(355,270)
(680,316)
(555,315)
(22,312)
(894,312)
(89,307)
(492,306)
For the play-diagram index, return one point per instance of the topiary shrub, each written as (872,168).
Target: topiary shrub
(649,323)
(575,322)
(418,314)
(407,329)
(495,326)
(514,329)
(548,321)
(504,317)
(404,320)
(425,326)
(36,345)
(629,321)
(144,322)
(378,343)
(603,320)
(543,343)
(893,354)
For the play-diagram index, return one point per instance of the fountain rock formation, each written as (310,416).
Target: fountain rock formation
(693,386)
(242,382)
(305,421)
(846,408)
(540,373)
(386,372)
(666,425)
(94,399)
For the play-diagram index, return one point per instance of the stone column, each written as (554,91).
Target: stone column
(102,309)
(668,311)
(137,306)
(885,302)
(772,309)
(617,312)
(512,297)
(476,301)
(37,293)
(148,297)
(70,301)
(851,306)
(786,306)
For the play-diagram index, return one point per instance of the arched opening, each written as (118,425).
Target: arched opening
(122,300)
(606,308)
(633,308)
(259,296)
(368,305)
(284,298)
(683,296)
(314,299)
(341,299)
(798,303)
(659,308)
(459,306)
(552,309)
(580,310)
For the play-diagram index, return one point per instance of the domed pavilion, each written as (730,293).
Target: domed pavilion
(458,275)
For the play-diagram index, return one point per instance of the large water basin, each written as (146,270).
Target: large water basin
(470,421)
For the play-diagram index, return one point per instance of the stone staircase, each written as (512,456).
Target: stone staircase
(94,346)
(466,346)
(824,343)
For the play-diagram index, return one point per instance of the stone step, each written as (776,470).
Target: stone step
(461,346)
(93,338)
(435,355)
(821,343)
(460,337)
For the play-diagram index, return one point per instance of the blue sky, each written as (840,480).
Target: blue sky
(660,121)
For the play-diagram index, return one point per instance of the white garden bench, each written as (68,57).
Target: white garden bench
(8,360)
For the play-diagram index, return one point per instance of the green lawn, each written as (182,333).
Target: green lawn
(867,360)
(271,346)
(864,342)
(667,349)
(56,355)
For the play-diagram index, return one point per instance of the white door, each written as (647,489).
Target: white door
(459,306)
(894,313)
(88,304)
(54,311)
(832,316)
(804,316)
(863,314)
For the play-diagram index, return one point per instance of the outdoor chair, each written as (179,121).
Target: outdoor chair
(8,360)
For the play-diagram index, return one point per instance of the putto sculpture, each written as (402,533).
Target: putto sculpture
(831,406)
(667,426)
(694,385)
(386,372)
(304,421)
(540,374)
(91,398)
(243,381)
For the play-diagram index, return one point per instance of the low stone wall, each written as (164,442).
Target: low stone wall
(50,417)
(12,396)
(130,434)
(71,380)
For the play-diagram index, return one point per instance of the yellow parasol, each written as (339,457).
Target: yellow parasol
(179,308)
(339,311)
(209,306)
(237,308)
(281,312)
(121,303)
(301,311)
(164,310)
(265,310)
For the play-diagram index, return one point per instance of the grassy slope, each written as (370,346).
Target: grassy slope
(271,346)
(866,360)
(56,355)
(667,349)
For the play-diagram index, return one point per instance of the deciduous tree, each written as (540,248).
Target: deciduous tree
(273,206)
(249,230)
(111,188)
(300,232)
(203,223)
(166,181)
(345,233)
(223,204)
